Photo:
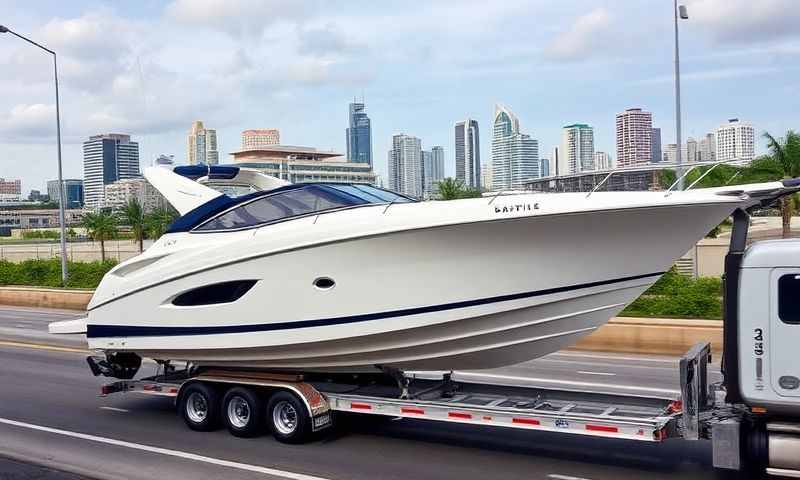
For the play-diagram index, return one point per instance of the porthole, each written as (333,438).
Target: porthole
(324,283)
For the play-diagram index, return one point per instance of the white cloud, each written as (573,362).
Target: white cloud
(245,18)
(742,21)
(28,121)
(715,74)
(582,39)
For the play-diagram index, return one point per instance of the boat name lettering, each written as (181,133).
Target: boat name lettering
(519,207)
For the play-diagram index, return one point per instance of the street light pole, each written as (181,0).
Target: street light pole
(680,12)
(61,193)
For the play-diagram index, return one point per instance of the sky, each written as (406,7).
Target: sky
(149,68)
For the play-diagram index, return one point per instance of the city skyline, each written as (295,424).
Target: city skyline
(150,87)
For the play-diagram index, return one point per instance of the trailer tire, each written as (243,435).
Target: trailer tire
(288,418)
(243,412)
(199,407)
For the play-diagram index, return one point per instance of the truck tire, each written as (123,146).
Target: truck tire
(243,412)
(288,418)
(199,407)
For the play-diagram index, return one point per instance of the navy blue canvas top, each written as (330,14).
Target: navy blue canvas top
(212,171)
(349,195)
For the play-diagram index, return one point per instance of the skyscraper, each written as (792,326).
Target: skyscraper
(602,161)
(577,148)
(433,170)
(260,137)
(468,153)
(655,145)
(708,148)
(106,159)
(555,162)
(735,141)
(671,153)
(515,156)
(359,135)
(634,135)
(202,145)
(689,151)
(73,192)
(544,167)
(405,165)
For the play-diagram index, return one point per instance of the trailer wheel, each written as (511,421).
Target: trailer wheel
(243,412)
(199,407)
(288,418)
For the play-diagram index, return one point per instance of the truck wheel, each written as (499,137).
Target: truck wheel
(288,418)
(199,407)
(243,412)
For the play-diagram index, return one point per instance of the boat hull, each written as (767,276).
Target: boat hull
(466,296)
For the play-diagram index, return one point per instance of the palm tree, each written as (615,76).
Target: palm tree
(157,221)
(450,188)
(101,226)
(133,216)
(786,152)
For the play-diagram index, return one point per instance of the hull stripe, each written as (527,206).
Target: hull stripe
(101,331)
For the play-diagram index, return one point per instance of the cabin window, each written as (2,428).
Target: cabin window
(225,292)
(789,299)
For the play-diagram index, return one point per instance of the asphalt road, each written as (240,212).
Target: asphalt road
(50,415)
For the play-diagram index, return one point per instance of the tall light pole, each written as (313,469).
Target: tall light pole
(680,13)
(61,195)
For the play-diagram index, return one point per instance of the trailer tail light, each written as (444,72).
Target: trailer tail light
(525,421)
(675,406)
(465,416)
(758,409)
(415,411)
(360,406)
(602,428)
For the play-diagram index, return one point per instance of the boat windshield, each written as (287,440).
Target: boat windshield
(294,202)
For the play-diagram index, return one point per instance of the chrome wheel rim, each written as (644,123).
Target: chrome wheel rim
(284,417)
(196,407)
(238,412)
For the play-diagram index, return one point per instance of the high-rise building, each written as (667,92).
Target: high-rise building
(671,153)
(433,170)
(486,176)
(202,145)
(655,145)
(300,164)
(468,153)
(735,141)
(577,148)
(164,161)
(544,167)
(359,135)
(37,196)
(634,135)
(602,161)
(106,159)
(121,192)
(261,137)
(555,162)
(515,156)
(10,190)
(708,148)
(73,192)
(405,165)
(689,151)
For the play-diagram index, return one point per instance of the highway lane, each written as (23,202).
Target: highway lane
(54,389)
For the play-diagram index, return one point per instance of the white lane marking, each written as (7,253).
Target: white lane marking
(115,409)
(556,476)
(607,374)
(165,451)
(642,358)
(631,388)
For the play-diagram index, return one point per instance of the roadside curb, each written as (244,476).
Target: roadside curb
(67,299)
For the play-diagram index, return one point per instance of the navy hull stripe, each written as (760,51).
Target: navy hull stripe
(96,331)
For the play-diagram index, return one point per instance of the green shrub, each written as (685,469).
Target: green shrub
(47,273)
(675,295)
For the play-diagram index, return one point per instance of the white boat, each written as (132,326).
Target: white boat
(338,277)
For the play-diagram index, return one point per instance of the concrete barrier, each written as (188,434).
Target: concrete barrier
(621,335)
(653,335)
(45,297)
